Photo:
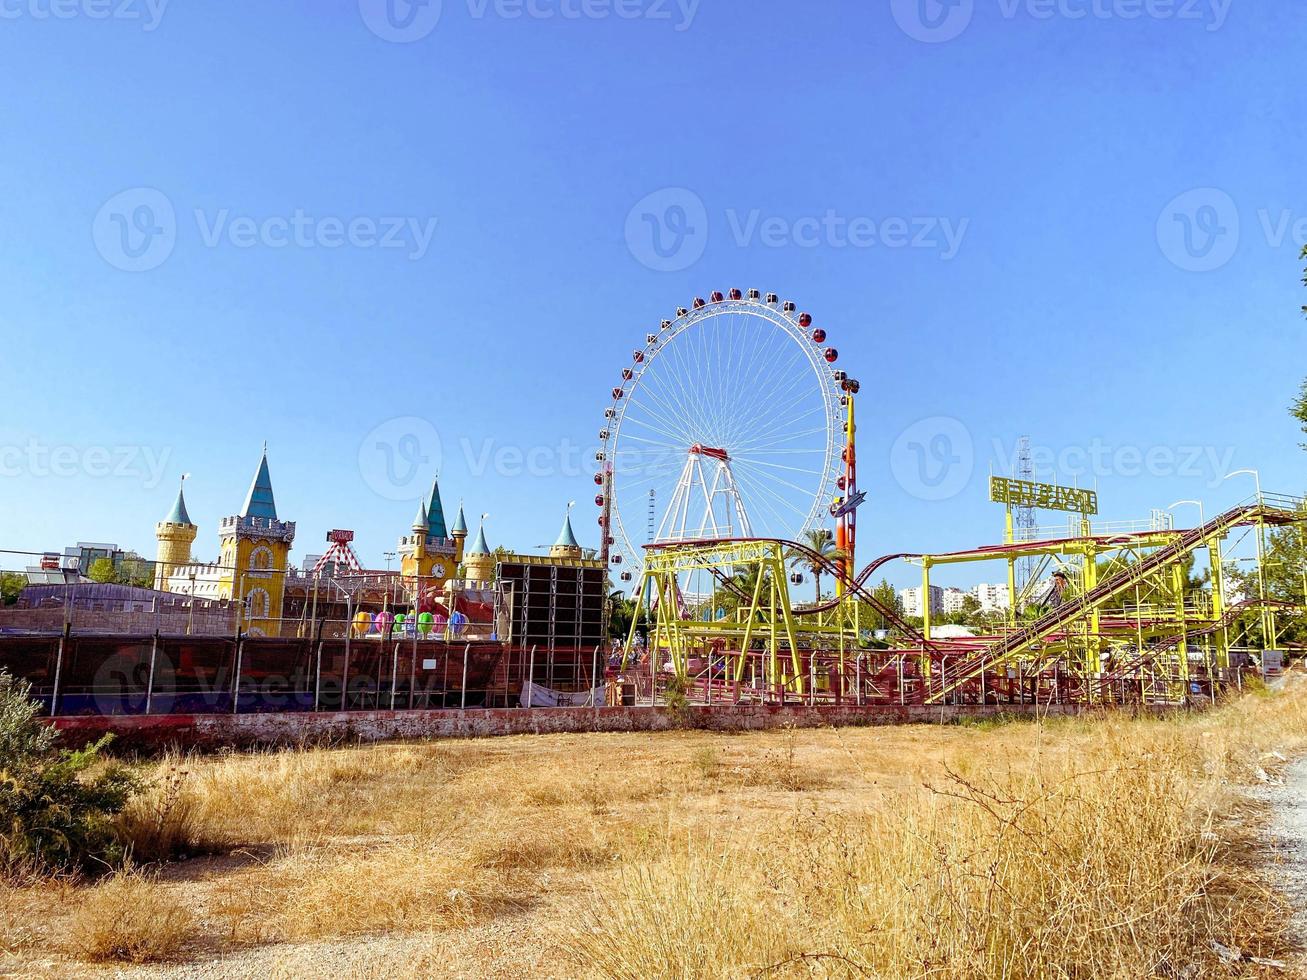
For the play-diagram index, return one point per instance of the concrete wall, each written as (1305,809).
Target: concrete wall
(245,731)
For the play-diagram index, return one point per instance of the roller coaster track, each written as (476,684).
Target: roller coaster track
(1145,657)
(857,587)
(1023,640)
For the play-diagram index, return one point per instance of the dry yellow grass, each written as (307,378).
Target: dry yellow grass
(127,916)
(1100,846)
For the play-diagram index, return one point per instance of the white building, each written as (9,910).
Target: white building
(992,598)
(953,600)
(911,599)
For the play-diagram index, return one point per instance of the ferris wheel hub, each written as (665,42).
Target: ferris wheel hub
(698,449)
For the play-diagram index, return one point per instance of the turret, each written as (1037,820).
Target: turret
(566,546)
(175,534)
(479,563)
(459,533)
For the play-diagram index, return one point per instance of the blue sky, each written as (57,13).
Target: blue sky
(1069,147)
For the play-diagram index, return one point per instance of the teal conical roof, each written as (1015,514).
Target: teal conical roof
(259,501)
(460,523)
(178,513)
(566,539)
(420,518)
(479,546)
(436,513)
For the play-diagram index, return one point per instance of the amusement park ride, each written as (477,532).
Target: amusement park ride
(734,414)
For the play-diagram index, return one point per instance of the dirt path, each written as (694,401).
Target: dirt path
(1288,840)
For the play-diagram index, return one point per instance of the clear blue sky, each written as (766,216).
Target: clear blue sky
(1067,312)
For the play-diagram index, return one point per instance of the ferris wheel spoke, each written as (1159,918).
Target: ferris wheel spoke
(769,410)
(768,497)
(792,486)
(773,440)
(672,411)
(677,438)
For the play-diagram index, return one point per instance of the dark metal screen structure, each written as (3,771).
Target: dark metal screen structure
(558,612)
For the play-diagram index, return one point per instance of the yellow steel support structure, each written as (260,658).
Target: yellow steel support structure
(764,625)
(1165,623)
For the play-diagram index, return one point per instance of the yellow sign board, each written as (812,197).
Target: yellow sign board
(1042,496)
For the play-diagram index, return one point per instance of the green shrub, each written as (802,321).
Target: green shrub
(56,805)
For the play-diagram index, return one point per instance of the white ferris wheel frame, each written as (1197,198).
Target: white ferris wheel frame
(823,373)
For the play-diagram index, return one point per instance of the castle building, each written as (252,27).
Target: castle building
(254,557)
(431,553)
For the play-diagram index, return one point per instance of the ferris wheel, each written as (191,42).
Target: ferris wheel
(727,423)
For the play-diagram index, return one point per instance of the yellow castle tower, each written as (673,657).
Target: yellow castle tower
(255,556)
(566,546)
(430,555)
(479,564)
(175,534)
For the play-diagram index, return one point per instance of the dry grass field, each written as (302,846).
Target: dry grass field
(1096,847)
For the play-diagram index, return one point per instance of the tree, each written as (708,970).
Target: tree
(102,570)
(888,597)
(621,612)
(11,587)
(1285,574)
(56,805)
(819,542)
(136,571)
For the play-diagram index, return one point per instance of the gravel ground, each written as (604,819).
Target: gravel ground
(1288,837)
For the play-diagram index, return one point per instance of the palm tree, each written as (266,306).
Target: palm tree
(819,542)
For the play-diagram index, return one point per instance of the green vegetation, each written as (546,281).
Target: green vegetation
(57,806)
(818,540)
(11,587)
